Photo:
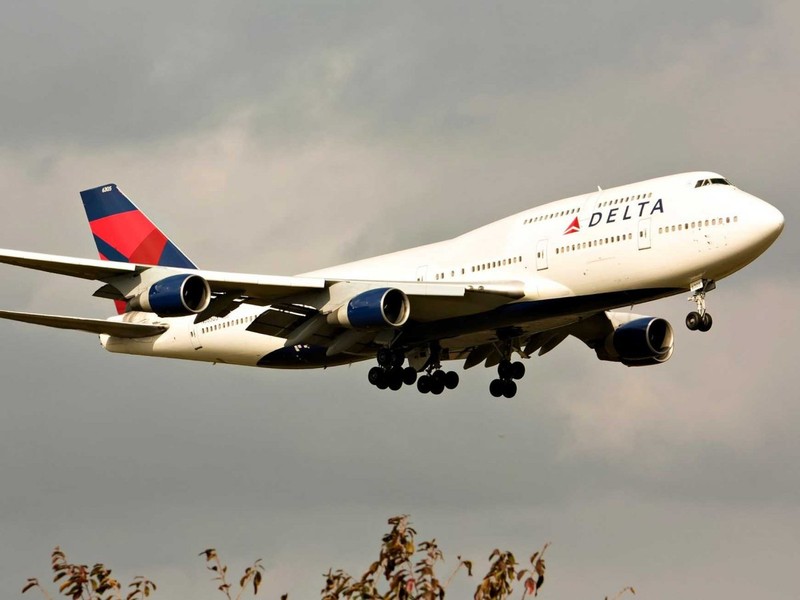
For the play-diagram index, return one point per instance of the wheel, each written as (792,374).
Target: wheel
(504,369)
(693,320)
(451,380)
(509,388)
(395,378)
(409,375)
(398,358)
(517,370)
(496,388)
(437,385)
(424,384)
(705,323)
(383,381)
(375,374)
(439,377)
(385,357)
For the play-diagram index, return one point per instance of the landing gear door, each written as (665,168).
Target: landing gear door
(541,255)
(644,234)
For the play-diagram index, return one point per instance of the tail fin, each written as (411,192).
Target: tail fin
(123,233)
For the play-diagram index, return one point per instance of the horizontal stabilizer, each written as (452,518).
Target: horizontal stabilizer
(65,265)
(97,326)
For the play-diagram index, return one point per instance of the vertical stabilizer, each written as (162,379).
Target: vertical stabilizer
(123,233)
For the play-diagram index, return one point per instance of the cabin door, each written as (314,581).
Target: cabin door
(193,336)
(644,234)
(541,255)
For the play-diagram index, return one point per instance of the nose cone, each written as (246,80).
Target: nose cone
(770,221)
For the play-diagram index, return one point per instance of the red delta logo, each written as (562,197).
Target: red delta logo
(574,227)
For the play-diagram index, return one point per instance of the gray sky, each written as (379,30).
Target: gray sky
(278,137)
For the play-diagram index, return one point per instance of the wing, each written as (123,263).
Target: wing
(431,300)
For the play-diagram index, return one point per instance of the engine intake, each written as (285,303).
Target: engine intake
(373,309)
(174,296)
(642,342)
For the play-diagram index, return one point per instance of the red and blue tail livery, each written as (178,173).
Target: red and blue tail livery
(123,233)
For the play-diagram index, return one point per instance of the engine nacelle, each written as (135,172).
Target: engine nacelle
(641,342)
(174,296)
(373,309)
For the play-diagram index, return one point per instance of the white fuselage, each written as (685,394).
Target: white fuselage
(660,234)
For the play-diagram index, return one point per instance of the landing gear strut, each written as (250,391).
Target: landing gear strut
(700,320)
(507,372)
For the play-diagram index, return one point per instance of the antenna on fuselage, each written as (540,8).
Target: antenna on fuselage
(599,189)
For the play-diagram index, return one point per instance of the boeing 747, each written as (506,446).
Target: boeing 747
(512,288)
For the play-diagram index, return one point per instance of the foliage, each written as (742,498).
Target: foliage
(404,570)
(79,582)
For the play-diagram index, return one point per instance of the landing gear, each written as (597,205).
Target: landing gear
(507,372)
(700,320)
(437,381)
(697,323)
(390,373)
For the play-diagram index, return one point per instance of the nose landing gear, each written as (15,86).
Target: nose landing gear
(700,320)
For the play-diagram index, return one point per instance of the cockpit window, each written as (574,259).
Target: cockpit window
(714,181)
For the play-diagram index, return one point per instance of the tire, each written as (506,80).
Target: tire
(693,321)
(437,387)
(439,377)
(424,384)
(496,388)
(374,375)
(398,358)
(395,378)
(517,370)
(509,388)
(504,369)
(384,357)
(451,380)
(705,323)
(409,375)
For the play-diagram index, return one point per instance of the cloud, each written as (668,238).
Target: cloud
(279,138)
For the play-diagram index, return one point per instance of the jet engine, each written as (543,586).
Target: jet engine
(174,296)
(373,309)
(641,342)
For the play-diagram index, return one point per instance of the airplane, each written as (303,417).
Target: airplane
(517,286)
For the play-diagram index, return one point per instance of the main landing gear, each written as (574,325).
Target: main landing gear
(700,320)
(507,372)
(390,374)
(436,381)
